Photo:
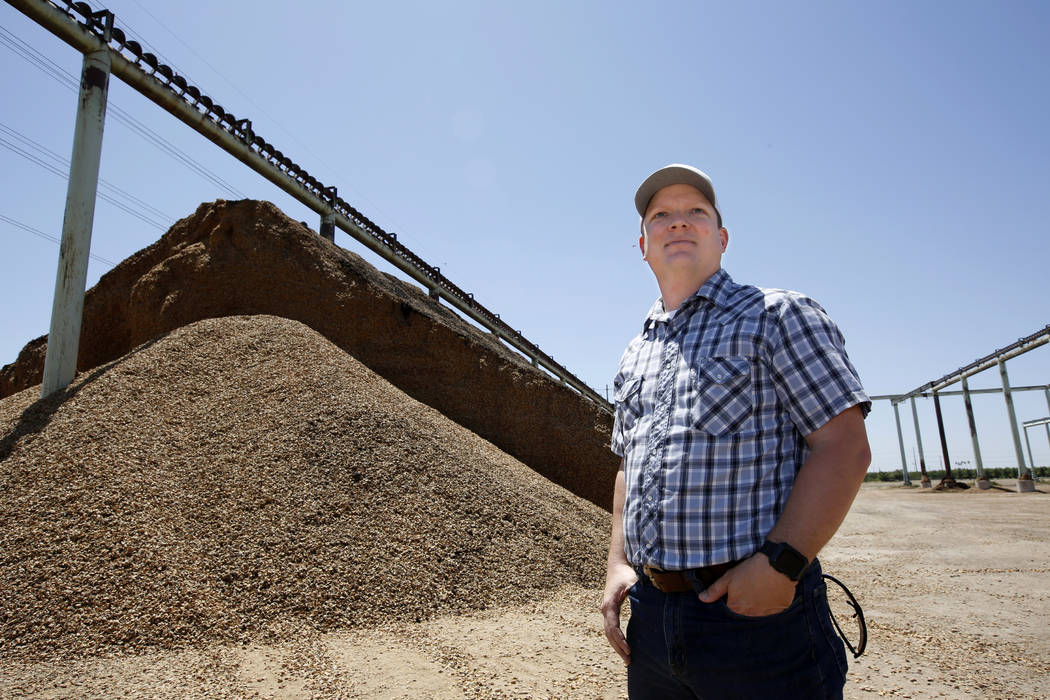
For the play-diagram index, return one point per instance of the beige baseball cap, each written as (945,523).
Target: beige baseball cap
(675,174)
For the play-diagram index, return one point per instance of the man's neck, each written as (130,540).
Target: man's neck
(675,291)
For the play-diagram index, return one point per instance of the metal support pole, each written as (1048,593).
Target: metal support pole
(328,227)
(925,480)
(982,480)
(900,442)
(1028,444)
(63,340)
(1024,475)
(1045,422)
(1047,425)
(948,480)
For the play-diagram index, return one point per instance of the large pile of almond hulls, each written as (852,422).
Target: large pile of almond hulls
(242,477)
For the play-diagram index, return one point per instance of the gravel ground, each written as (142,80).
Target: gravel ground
(244,479)
(954,585)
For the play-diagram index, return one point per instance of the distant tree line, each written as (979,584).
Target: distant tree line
(937,474)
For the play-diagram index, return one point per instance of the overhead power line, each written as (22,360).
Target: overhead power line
(47,236)
(142,209)
(61,75)
(63,174)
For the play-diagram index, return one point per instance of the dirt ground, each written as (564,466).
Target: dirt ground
(955,588)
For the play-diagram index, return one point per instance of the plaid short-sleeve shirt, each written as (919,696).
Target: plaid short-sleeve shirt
(713,403)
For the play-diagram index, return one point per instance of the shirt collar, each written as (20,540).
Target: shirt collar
(716,290)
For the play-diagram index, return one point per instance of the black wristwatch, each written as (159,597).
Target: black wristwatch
(785,559)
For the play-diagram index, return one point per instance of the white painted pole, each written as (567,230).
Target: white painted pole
(925,480)
(1047,425)
(1024,474)
(973,429)
(1028,444)
(900,442)
(63,340)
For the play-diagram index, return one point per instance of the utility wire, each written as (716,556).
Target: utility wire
(63,76)
(65,174)
(64,163)
(36,58)
(54,239)
(139,38)
(174,151)
(131,33)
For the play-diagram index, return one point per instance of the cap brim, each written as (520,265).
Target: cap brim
(675,174)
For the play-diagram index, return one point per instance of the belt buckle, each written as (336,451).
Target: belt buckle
(652,572)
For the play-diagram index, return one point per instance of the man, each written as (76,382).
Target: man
(740,424)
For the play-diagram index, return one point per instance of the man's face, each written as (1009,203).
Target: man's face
(682,237)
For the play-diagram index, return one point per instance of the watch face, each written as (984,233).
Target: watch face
(785,559)
(790,562)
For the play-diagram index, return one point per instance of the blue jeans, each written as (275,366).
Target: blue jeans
(684,648)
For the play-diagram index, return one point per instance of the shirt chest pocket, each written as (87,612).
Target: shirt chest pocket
(721,394)
(629,404)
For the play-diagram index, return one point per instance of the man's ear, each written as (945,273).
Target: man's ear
(723,233)
(641,245)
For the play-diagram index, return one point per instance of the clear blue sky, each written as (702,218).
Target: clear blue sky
(890,159)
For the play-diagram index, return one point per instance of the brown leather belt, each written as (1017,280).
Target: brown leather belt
(678,582)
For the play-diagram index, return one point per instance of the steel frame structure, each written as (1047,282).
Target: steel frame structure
(935,389)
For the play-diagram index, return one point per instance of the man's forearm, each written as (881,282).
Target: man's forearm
(619,576)
(617,555)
